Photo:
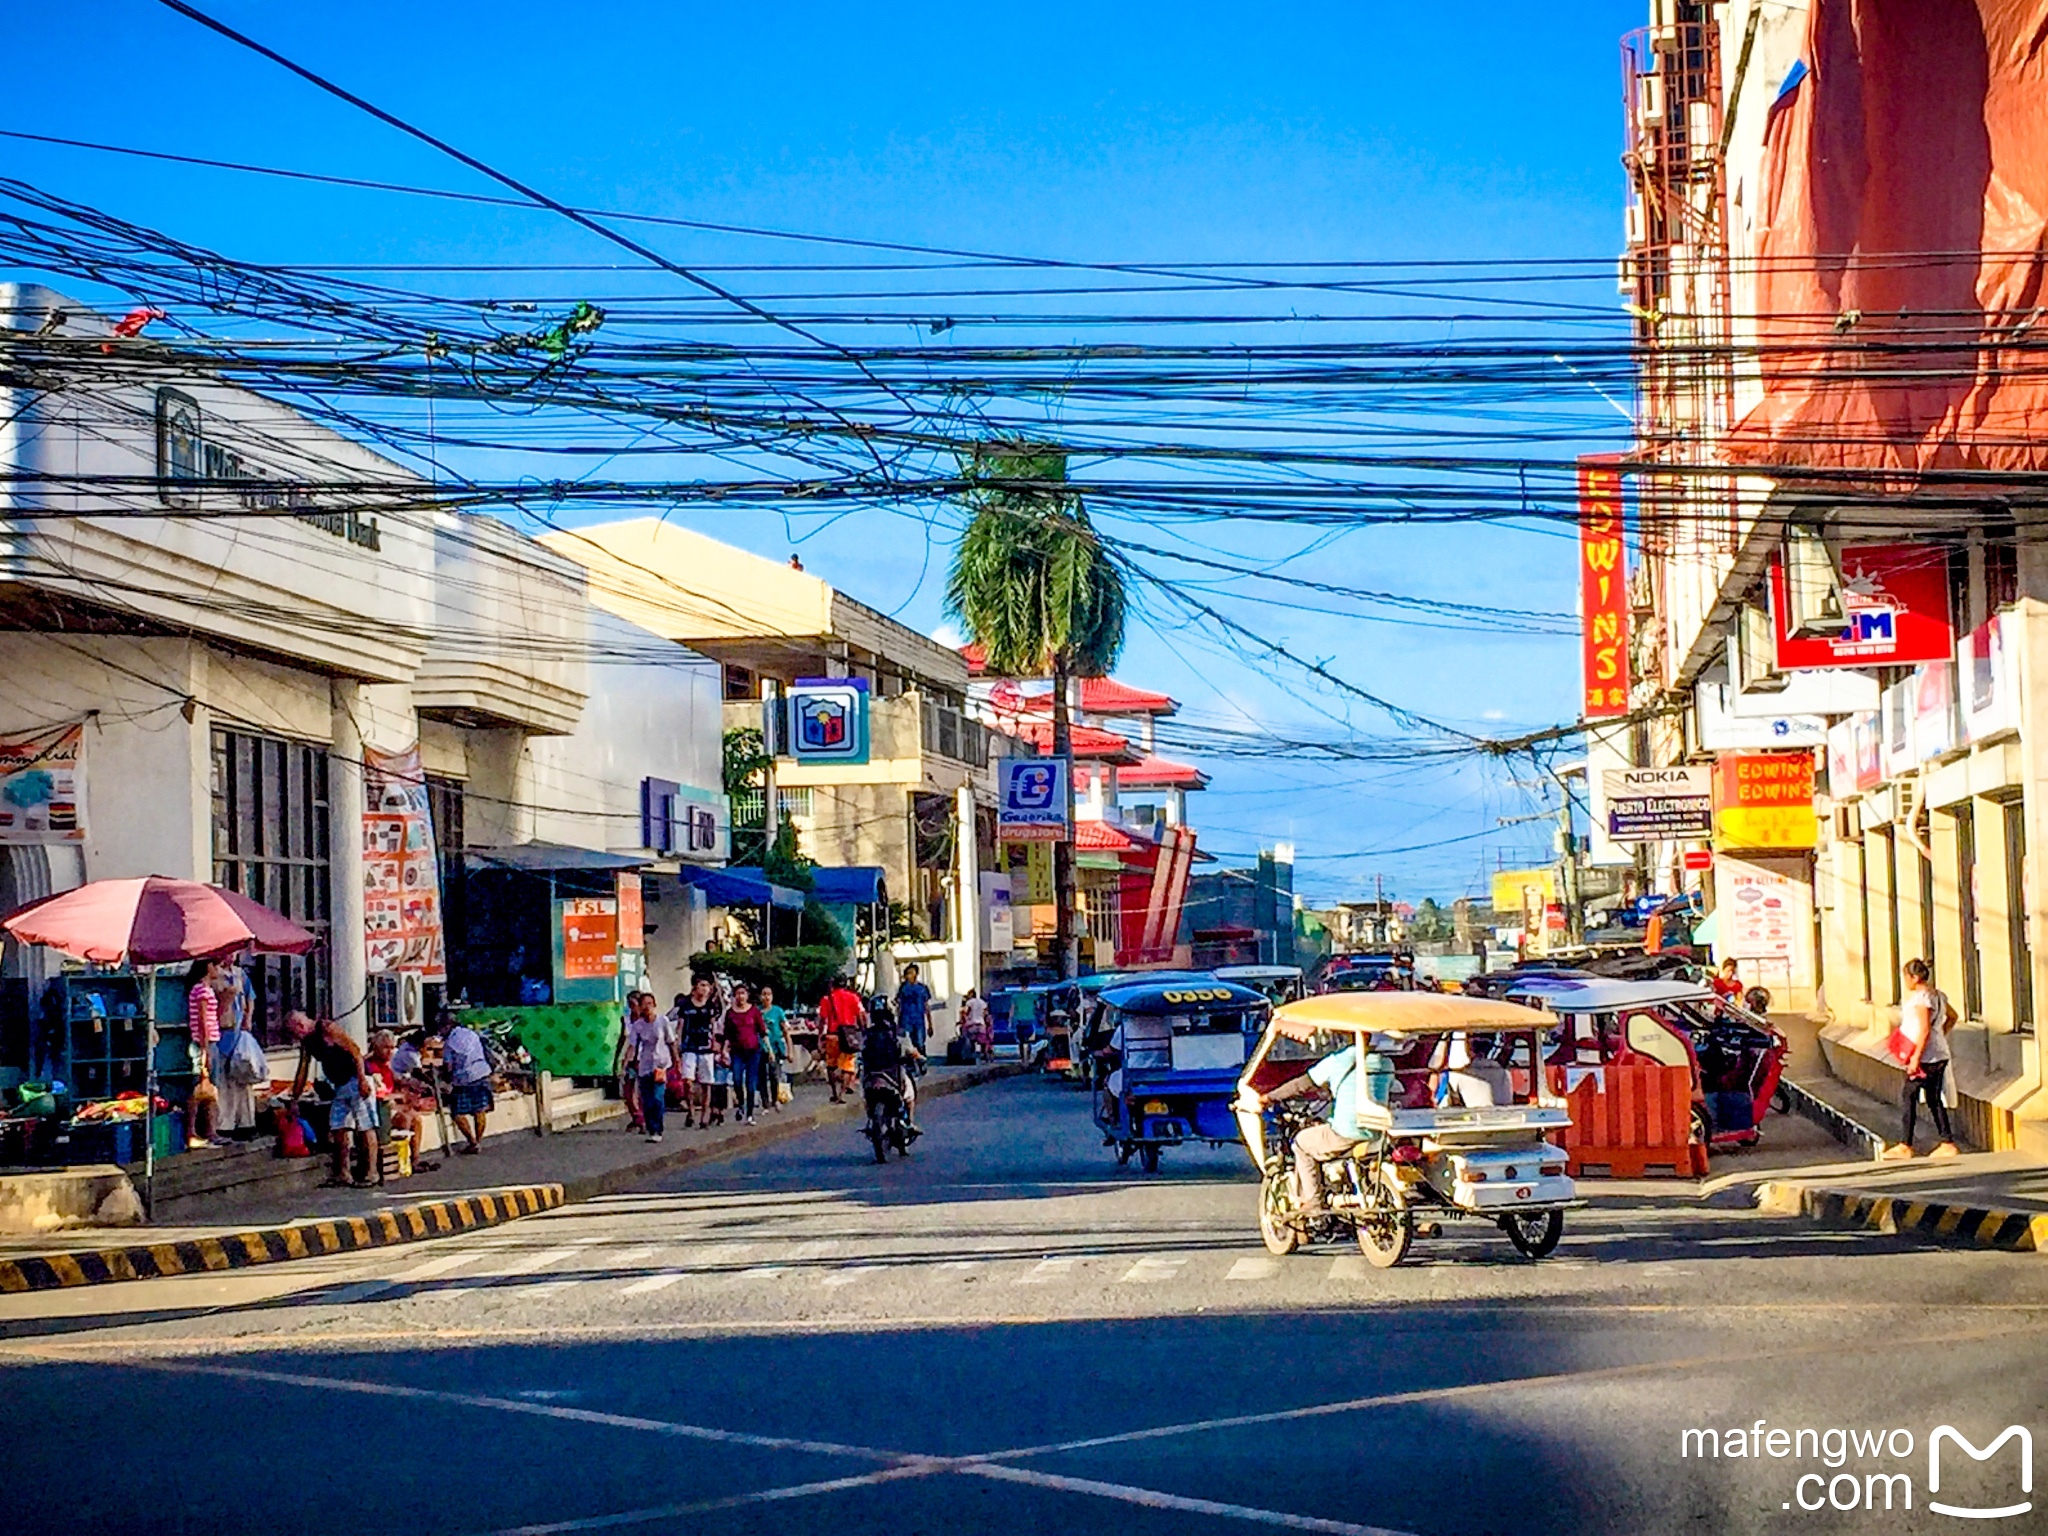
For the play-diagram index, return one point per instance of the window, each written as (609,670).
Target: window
(1966,905)
(1105,914)
(739,682)
(2014,815)
(270,844)
(446,806)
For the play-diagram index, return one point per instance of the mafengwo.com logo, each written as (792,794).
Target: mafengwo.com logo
(1872,1471)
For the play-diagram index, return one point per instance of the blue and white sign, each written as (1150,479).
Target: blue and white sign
(828,720)
(1033,803)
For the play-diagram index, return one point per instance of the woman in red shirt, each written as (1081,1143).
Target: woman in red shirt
(744,1028)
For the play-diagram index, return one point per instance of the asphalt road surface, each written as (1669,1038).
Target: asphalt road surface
(1009,1333)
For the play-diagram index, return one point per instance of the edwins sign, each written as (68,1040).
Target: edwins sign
(1603,589)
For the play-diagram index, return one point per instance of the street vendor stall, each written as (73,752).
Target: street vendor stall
(117,1031)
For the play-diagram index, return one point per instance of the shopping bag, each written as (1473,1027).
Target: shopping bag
(782,1093)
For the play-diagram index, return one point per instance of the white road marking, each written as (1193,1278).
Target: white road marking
(952,1269)
(638,1254)
(1254,1269)
(553,1288)
(764,1272)
(363,1290)
(1350,1266)
(433,1267)
(1152,1499)
(672,1512)
(816,1248)
(851,1274)
(1152,1269)
(1047,1270)
(653,1283)
(530,1264)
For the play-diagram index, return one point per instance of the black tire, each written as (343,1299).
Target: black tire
(878,1133)
(1148,1158)
(1702,1127)
(1280,1235)
(1781,1100)
(1535,1235)
(1385,1231)
(1123,1154)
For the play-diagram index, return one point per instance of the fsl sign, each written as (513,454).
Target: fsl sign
(1603,588)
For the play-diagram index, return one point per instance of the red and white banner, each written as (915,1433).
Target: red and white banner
(1603,588)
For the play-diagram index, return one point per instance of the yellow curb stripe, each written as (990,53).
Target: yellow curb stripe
(1913,1212)
(1987,1229)
(330,1240)
(120,1265)
(168,1259)
(415,1222)
(2036,1238)
(294,1242)
(211,1253)
(361,1229)
(254,1246)
(1951,1217)
(11,1277)
(65,1267)
(488,1204)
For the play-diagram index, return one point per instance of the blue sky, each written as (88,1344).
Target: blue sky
(1135,132)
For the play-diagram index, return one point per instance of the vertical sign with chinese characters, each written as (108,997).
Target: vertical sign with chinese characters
(1603,588)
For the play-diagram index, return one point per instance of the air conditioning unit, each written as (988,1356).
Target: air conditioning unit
(1753,659)
(1637,223)
(1650,99)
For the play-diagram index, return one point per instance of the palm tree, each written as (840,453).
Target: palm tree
(1036,590)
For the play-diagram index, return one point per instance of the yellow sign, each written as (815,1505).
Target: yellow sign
(1755,827)
(1515,888)
(1031,874)
(1197,995)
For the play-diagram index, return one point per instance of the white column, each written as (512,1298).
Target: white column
(967,861)
(345,859)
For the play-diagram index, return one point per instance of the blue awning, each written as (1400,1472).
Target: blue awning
(740,886)
(858,885)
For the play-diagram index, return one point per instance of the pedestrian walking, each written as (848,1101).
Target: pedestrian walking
(647,1043)
(842,1022)
(774,1021)
(975,1025)
(468,1063)
(745,1031)
(1920,1045)
(696,1019)
(914,1007)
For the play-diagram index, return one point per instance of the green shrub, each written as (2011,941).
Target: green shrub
(799,973)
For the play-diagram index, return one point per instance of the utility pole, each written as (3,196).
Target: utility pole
(1574,913)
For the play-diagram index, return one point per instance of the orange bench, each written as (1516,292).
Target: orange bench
(1630,1120)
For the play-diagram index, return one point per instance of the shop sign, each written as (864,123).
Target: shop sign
(1895,730)
(42,787)
(188,459)
(1513,888)
(1031,804)
(1031,882)
(1657,805)
(679,820)
(401,869)
(1895,598)
(1842,758)
(998,925)
(1699,858)
(1867,729)
(1933,689)
(1603,588)
(1723,729)
(1764,800)
(632,911)
(828,720)
(590,938)
(1985,683)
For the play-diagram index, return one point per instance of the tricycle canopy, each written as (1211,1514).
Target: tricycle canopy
(1403,1013)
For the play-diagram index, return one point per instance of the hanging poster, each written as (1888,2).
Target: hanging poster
(42,787)
(1765,923)
(401,875)
(1895,598)
(632,911)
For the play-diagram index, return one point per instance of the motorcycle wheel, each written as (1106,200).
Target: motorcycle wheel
(1386,1229)
(1535,1236)
(1781,1101)
(1280,1235)
(1123,1153)
(1148,1159)
(879,1135)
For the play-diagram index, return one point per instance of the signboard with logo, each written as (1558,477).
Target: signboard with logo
(998,928)
(589,938)
(1657,805)
(1031,799)
(1895,598)
(828,720)
(401,870)
(1603,589)
(1934,710)
(1723,729)
(1987,689)
(1764,800)
(42,787)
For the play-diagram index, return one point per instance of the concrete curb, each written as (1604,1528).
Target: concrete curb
(427,1218)
(1850,1132)
(278,1245)
(1978,1226)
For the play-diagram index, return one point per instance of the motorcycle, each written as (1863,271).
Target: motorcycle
(888,1123)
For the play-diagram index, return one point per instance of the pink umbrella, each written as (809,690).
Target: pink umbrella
(154,921)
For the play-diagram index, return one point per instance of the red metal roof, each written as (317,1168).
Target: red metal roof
(1101,837)
(1090,743)
(1161,773)
(1107,696)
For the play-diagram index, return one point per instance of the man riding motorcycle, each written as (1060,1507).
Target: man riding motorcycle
(886,1061)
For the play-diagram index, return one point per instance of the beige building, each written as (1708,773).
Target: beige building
(1931,785)
(920,808)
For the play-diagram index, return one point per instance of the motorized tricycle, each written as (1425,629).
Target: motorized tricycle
(1462,1127)
(1164,1058)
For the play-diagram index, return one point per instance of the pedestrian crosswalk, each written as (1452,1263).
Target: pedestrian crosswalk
(832,1266)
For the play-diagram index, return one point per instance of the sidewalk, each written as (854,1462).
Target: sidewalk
(1986,1199)
(515,1175)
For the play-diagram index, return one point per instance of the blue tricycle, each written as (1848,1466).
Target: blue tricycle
(1164,1059)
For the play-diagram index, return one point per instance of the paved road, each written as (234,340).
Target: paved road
(1008,1332)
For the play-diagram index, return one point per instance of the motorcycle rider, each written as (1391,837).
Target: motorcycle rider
(886,1054)
(1347,1075)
